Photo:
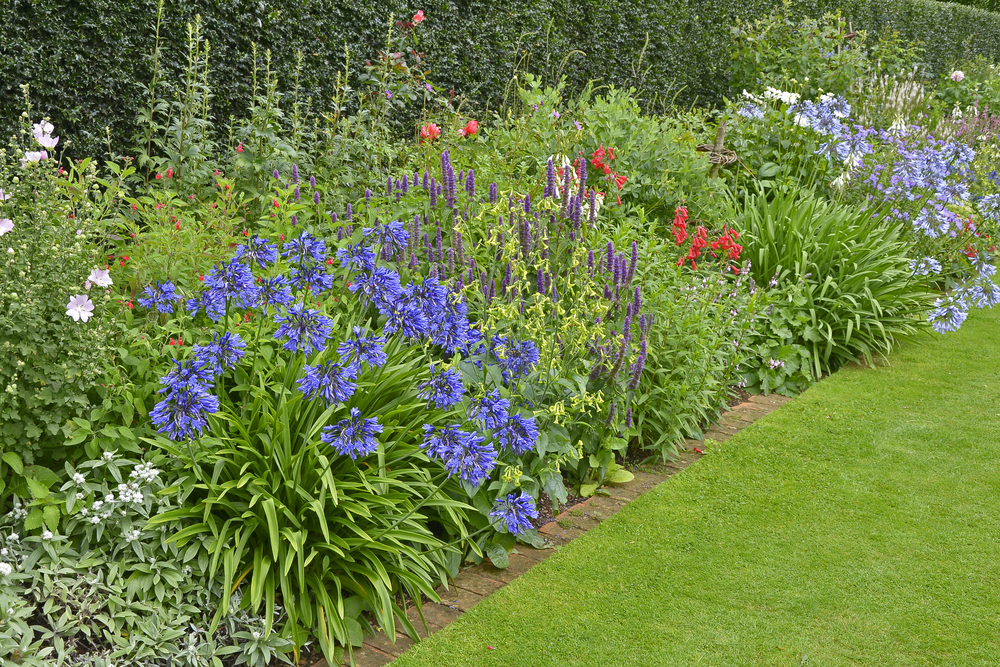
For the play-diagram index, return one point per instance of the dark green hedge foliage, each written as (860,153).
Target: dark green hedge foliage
(85,59)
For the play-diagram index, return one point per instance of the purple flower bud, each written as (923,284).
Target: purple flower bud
(627,329)
(637,301)
(590,261)
(296,193)
(404,184)
(628,418)
(458,282)
(340,233)
(592,213)
(470,183)
(540,282)
(276,175)
(611,255)
(426,183)
(611,416)
(295,220)
(451,261)
(550,180)
(312,181)
(607,292)
(555,294)
(434,193)
(525,239)
(368,194)
(493,193)
(295,173)
(527,203)
(316,197)
(349,214)
(548,281)
(333,218)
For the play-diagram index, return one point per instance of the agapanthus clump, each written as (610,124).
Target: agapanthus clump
(490,411)
(353,437)
(444,389)
(303,329)
(333,382)
(312,277)
(514,513)
(222,353)
(368,349)
(160,297)
(463,453)
(182,413)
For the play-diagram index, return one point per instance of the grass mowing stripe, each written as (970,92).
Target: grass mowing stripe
(858,525)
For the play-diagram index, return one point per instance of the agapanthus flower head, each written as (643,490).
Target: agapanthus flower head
(515,358)
(379,287)
(222,353)
(444,389)
(160,296)
(982,293)
(181,415)
(392,237)
(518,433)
(233,281)
(463,453)
(989,207)
(257,250)
(948,315)
(406,319)
(273,292)
(353,437)
(211,301)
(187,374)
(490,411)
(304,246)
(303,328)
(360,348)
(514,513)
(357,257)
(925,266)
(312,277)
(332,381)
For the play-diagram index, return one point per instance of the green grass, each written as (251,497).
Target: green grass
(858,525)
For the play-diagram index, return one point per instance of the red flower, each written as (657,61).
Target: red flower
(170,172)
(129,305)
(177,224)
(329,260)
(276,203)
(201,277)
(176,341)
(158,175)
(619,181)
(418,17)
(239,149)
(429,132)
(471,128)
(698,451)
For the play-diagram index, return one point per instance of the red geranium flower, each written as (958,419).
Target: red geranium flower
(471,128)
(418,17)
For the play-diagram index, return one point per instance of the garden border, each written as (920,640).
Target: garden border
(475,583)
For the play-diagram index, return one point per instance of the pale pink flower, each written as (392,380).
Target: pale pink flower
(100,277)
(80,307)
(6,224)
(957,75)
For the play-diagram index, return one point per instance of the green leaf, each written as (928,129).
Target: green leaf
(14,461)
(51,517)
(38,490)
(587,490)
(498,556)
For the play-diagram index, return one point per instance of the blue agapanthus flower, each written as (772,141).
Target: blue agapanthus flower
(451,328)
(925,266)
(363,348)
(751,111)
(187,374)
(311,277)
(391,237)
(213,303)
(257,250)
(182,413)
(232,281)
(519,434)
(515,359)
(305,245)
(305,329)
(332,381)
(160,296)
(948,315)
(982,293)
(490,411)
(273,292)
(407,320)
(353,437)
(222,353)
(380,287)
(444,389)
(463,453)
(514,513)
(357,257)
(989,206)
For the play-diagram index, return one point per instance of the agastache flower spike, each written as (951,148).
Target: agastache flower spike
(470,183)
(295,173)
(550,180)
(493,193)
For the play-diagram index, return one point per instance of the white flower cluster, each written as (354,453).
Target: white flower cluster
(79,479)
(145,472)
(18,512)
(129,493)
(6,569)
(785,97)
(131,535)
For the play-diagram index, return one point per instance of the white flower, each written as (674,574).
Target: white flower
(957,75)
(4,552)
(100,277)
(78,479)
(46,534)
(13,537)
(131,535)
(6,224)
(110,498)
(5,569)
(98,504)
(42,128)
(10,251)
(43,134)
(33,156)
(108,456)
(95,519)
(80,307)
(4,196)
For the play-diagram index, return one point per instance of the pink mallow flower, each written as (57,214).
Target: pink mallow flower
(80,307)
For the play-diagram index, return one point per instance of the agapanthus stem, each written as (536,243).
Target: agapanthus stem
(459,540)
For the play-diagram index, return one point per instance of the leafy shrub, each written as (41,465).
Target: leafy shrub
(859,293)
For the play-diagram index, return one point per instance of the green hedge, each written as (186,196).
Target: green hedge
(86,58)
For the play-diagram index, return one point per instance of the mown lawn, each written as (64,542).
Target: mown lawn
(858,525)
